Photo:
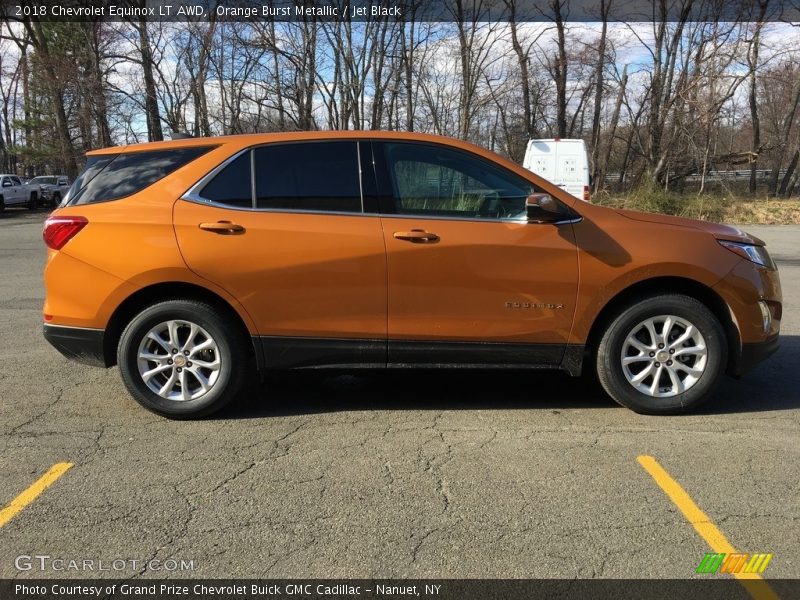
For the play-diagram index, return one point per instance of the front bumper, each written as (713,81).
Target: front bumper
(753,353)
(80,344)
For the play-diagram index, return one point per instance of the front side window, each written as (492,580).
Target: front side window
(16,181)
(429,180)
(314,176)
(114,177)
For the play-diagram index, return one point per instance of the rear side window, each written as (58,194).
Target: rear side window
(111,178)
(318,176)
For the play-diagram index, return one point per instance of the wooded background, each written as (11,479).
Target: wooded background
(658,103)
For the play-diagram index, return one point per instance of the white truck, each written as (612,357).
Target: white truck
(562,162)
(15,193)
(52,188)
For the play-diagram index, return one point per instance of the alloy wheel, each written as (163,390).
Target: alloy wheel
(664,356)
(179,360)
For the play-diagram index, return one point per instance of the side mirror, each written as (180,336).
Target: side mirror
(541,208)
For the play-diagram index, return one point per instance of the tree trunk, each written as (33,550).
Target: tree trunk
(788,121)
(40,44)
(785,190)
(752,62)
(612,130)
(154,131)
(560,72)
(598,95)
(524,75)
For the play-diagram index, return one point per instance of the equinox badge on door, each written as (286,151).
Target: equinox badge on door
(532,305)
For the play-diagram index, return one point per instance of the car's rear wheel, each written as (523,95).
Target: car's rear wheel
(2,204)
(33,201)
(181,359)
(662,355)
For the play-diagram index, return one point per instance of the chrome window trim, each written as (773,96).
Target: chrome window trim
(193,195)
(360,174)
(522,220)
(253,196)
(339,213)
(193,192)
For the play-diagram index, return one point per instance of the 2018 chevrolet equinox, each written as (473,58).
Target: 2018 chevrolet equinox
(181,261)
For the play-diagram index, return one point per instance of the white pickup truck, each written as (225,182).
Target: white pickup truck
(51,188)
(15,193)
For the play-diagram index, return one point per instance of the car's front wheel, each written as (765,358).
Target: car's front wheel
(662,355)
(181,359)
(33,201)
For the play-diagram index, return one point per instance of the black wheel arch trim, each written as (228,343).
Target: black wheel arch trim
(671,285)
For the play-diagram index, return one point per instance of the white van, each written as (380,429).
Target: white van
(563,162)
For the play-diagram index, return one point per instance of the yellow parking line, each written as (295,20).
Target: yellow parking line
(752,582)
(33,492)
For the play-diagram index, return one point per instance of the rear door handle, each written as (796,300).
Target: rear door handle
(222,228)
(416,236)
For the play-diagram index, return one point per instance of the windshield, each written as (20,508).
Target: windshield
(43,181)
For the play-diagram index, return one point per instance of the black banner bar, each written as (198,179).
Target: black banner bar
(403,10)
(725,588)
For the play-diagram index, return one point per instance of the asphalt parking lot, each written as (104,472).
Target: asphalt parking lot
(393,474)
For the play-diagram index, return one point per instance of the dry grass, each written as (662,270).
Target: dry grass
(708,207)
(765,212)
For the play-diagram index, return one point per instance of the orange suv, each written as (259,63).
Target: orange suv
(181,261)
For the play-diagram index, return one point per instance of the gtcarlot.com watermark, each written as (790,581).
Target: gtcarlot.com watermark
(47,563)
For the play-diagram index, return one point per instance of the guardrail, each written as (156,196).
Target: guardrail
(742,175)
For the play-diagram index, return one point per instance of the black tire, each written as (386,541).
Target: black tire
(231,353)
(33,203)
(56,200)
(611,373)
(2,204)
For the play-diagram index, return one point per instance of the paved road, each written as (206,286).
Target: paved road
(392,475)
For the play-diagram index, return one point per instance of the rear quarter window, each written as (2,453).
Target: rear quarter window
(127,174)
(232,186)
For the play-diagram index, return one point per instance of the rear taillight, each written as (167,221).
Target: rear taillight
(586,194)
(59,230)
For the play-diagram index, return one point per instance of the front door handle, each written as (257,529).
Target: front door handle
(223,228)
(416,236)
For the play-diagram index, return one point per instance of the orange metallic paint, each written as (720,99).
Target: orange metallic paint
(302,274)
(481,281)
(297,274)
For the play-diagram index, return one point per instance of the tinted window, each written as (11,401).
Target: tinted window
(16,181)
(232,184)
(321,176)
(43,181)
(436,181)
(127,174)
(94,164)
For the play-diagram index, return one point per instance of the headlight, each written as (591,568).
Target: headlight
(753,253)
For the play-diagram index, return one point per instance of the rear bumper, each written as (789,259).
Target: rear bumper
(754,353)
(77,343)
